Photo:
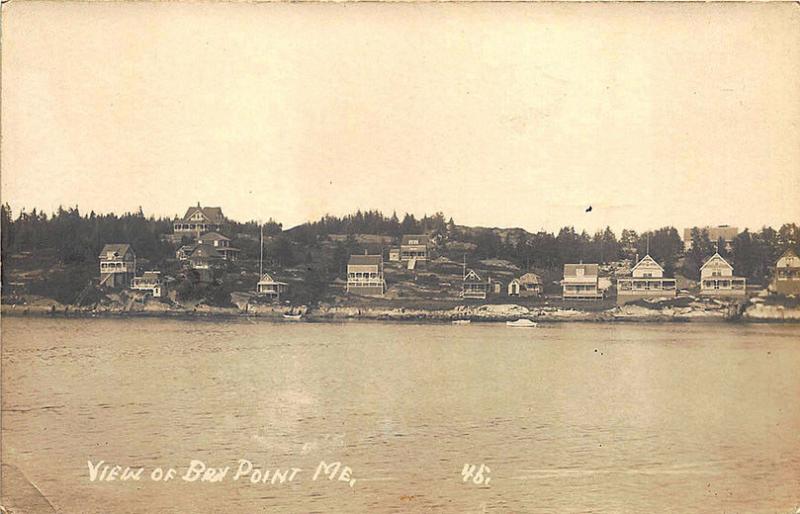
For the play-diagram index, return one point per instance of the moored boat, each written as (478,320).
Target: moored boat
(522,322)
(461,322)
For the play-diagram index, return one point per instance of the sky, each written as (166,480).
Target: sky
(505,115)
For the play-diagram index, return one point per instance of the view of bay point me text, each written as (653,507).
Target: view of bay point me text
(400,257)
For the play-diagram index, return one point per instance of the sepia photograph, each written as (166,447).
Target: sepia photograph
(400,257)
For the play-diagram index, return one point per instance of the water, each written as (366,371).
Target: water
(568,417)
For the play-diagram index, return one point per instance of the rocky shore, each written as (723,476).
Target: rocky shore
(754,311)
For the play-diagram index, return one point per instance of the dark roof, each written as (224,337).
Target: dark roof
(212,214)
(364,260)
(205,250)
(421,238)
(571,270)
(120,248)
(213,236)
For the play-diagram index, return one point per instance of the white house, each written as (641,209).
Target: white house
(151,282)
(271,288)
(365,275)
(581,282)
(646,281)
(717,279)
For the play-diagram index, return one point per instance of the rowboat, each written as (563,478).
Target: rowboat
(461,322)
(292,317)
(522,323)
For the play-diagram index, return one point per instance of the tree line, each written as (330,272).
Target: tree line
(77,237)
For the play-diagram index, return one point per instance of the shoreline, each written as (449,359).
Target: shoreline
(753,313)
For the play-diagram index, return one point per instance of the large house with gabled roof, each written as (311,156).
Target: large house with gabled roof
(646,281)
(414,247)
(117,265)
(581,282)
(786,280)
(717,279)
(199,220)
(365,275)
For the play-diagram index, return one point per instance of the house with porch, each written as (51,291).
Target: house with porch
(149,282)
(117,265)
(474,287)
(786,280)
(414,247)
(199,220)
(271,288)
(221,243)
(717,279)
(646,281)
(365,275)
(581,282)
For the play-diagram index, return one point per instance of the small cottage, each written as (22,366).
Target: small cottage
(271,288)
(473,286)
(150,282)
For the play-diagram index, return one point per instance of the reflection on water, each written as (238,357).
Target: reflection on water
(568,417)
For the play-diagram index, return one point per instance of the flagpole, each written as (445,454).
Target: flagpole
(261,253)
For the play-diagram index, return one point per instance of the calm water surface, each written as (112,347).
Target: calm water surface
(569,417)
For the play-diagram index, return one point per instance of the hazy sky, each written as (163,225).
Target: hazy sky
(498,115)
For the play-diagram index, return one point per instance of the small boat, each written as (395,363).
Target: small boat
(292,317)
(522,323)
(461,322)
